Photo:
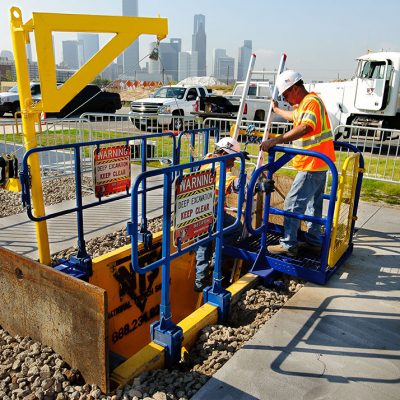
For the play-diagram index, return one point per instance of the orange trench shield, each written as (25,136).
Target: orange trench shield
(58,310)
(134,299)
(84,321)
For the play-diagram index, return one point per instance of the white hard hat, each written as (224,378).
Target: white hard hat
(287,79)
(228,144)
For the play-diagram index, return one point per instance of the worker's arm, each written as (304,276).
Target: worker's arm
(294,134)
(288,115)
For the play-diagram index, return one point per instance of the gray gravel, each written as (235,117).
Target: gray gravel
(55,191)
(29,370)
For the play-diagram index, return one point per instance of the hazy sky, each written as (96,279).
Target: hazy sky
(321,38)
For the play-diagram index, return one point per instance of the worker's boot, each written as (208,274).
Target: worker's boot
(280,250)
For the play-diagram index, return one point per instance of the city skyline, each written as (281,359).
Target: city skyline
(320,42)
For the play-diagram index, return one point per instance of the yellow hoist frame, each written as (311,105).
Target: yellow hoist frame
(126,30)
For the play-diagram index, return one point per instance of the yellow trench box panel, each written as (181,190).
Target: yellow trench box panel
(134,299)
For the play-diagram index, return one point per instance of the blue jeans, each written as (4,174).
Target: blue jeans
(205,254)
(305,197)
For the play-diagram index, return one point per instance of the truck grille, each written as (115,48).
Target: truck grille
(145,108)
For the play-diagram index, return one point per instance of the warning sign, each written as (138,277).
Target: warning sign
(194,205)
(112,170)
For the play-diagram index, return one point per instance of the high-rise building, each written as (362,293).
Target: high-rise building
(226,69)
(88,46)
(188,63)
(7,55)
(217,54)
(224,65)
(29,52)
(244,59)
(70,54)
(199,42)
(131,54)
(168,58)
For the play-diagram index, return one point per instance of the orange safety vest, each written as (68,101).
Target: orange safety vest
(229,176)
(312,112)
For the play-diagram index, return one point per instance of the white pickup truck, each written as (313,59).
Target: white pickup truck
(165,106)
(256,107)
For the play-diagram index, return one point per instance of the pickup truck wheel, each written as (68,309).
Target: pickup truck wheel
(177,124)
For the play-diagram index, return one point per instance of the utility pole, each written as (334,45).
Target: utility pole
(163,80)
(227,76)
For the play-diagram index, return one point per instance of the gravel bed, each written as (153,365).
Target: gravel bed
(55,191)
(103,244)
(30,370)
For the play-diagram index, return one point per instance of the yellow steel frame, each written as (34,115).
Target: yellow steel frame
(343,215)
(152,356)
(126,30)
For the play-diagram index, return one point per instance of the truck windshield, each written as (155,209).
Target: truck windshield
(14,89)
(170,92)
(372,70)
(239,90)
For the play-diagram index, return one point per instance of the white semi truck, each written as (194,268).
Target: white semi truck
(371,98)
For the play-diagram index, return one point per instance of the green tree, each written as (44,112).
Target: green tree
(102,82)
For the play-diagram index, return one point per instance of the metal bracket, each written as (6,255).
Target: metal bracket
(144,235)
(80,268)
(24,179)
(170,337)
(265,186)
(220,298)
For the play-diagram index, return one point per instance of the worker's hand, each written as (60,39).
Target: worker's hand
(274,104)
(267,144)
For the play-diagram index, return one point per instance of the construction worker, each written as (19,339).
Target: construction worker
(204,253)
(311,131)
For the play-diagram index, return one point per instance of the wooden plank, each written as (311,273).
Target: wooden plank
(58,310)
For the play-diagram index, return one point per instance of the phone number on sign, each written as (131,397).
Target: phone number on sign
(136,323)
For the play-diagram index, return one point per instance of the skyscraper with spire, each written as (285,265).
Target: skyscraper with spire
(130,60)
(199,42)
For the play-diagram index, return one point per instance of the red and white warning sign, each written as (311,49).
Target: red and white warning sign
(112,170)
(194,205)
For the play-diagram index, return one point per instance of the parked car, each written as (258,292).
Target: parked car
(90,99)
(9,101)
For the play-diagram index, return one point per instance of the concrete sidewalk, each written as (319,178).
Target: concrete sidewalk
(339,341)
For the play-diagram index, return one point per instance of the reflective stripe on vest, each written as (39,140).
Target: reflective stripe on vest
(320,139)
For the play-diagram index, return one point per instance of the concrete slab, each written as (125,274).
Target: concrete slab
(340,341)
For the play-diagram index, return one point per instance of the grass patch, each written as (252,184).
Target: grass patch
(376,191)
(375,166)
(371,191)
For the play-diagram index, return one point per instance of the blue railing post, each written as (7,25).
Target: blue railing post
(145,235)
(165,332)
(80,265)
(216,294)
